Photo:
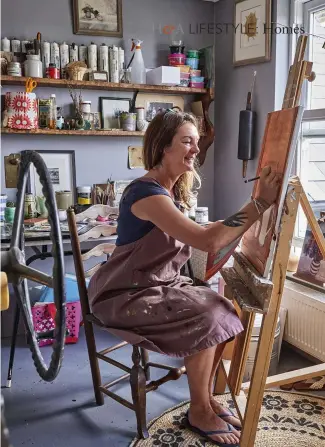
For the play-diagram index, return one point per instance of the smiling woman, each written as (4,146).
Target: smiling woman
(140,295)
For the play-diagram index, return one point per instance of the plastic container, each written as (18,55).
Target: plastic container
(138,69)
(193,54)
(196,84)
(86,107)
(84,195)
(197,79)
(176,49)
(184,83)
(202,215)
(52,72)
(185,76)
(176,59)
(192,62)
(195,73)
(184,68)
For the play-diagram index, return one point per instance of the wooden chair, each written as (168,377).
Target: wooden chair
(139,373)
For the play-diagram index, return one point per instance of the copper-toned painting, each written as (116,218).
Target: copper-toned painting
(279,144)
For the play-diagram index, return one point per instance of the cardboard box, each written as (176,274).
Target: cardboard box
(164,75)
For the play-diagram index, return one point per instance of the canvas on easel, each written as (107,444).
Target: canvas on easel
(279,144)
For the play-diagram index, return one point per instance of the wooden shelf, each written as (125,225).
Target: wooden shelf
(101,85)
(97,133)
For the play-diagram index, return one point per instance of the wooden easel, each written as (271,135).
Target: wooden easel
(253,294)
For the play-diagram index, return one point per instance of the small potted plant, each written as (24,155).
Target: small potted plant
(10,212)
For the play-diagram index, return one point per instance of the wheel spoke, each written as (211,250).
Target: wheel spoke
(34,275)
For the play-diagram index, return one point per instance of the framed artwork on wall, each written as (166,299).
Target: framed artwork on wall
(62,168)
(110,110)
(98,17)
(252,36)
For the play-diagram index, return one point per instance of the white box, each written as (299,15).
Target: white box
(164,75)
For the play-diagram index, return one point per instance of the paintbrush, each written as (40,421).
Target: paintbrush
(252,179)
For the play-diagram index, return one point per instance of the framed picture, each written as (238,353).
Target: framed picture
(252,37)
(152,102)
(311,266)
(62,168)
(98,17)
(98,76)
(110,109)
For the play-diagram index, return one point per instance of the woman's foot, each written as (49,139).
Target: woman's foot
(206,420)
(219,409)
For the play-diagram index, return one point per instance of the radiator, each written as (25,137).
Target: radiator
(305,325)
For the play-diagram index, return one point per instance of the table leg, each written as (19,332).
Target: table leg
(13,345)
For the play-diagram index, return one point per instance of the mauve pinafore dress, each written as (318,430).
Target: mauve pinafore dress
(140,296)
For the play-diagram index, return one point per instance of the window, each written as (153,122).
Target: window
(310,160)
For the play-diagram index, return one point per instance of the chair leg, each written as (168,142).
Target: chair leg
(145,361)
(138,388)
(95,372)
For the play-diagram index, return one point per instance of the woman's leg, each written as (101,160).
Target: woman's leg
(201,415)
(219,409)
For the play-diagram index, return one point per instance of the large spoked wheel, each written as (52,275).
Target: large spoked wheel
(13,263)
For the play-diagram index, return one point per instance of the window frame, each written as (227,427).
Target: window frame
(301,11)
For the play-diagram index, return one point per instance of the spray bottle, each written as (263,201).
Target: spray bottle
(138,69)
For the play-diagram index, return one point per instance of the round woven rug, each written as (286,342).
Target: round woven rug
(287,419)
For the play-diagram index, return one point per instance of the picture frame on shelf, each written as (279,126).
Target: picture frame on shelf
(155,101)
(62,169)
(110,109)
(252,36)
(98,17)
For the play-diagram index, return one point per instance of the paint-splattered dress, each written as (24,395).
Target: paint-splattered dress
(140,295)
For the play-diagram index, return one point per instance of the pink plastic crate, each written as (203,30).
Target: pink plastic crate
(43,320)
(197,84)
(176,59)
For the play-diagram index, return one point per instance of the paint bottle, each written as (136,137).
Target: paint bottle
(92,56)
(55,55)
(5,44)
(103,58)
(202,215)
(83,50)
(113,64)
(46,56)
(64,57)
(84,195)
(73,53)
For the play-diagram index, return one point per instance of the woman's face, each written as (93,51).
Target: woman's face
(181,154)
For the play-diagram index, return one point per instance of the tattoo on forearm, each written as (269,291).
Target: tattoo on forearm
(237,220)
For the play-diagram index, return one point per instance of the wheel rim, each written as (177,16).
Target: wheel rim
(18,268)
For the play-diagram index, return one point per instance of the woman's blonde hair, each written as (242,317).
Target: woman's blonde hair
(158,136)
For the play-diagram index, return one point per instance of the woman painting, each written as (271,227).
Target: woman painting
(140,295)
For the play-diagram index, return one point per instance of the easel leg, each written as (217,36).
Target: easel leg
(260,373)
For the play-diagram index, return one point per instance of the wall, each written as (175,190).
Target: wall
(232,85)
(97,158)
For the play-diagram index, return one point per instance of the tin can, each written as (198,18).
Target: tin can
(202,215)
(46,56)
(55,54)
(113,64)
(44,113)
(83,52)
(120,63)
(52,72)
(64,57)
(92,56)
(103,58)
(15,46)
(73,53)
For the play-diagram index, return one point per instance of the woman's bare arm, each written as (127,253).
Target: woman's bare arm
(161,211)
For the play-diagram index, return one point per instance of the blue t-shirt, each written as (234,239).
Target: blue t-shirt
(129,227)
